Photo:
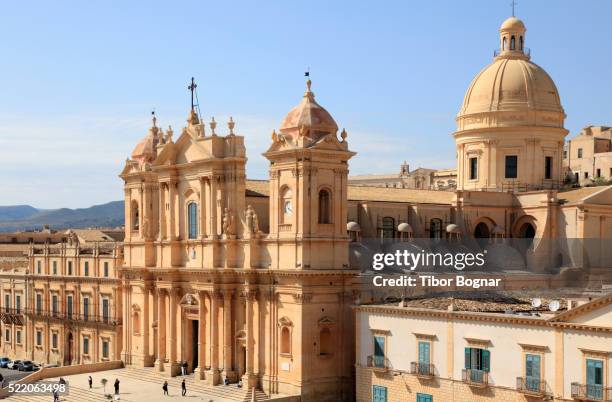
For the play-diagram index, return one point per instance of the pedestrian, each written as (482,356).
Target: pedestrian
(239,385)
(226,381)
(55,396)
(116,386)
(184,368)
(1,381)
(62,381)
(90,381)
(183,388)
(165,387)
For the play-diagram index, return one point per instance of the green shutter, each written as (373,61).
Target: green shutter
(486,360)
(468,358)
(424,353)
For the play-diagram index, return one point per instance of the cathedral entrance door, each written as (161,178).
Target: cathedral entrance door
(194,343)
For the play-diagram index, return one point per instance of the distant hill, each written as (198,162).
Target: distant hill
(26,217)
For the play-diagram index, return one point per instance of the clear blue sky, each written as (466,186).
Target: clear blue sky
(79,79)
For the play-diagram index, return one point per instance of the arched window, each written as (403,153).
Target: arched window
(135,216)
(512,42)
(435,228)
(192,219)
(504,43)
(285,341)
(481,231)
(521,42)
(324,206)
(325,342)
(388,228)
(286,205)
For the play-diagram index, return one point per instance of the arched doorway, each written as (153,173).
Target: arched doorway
(68,357)
(481,233)
(435,229)
(527,231)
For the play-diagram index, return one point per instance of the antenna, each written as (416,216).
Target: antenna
(537,302)
(554,305)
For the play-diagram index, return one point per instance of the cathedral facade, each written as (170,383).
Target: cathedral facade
(204,285)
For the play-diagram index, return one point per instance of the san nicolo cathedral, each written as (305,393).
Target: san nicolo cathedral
(202,283)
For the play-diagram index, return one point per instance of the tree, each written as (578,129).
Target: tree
(103,382)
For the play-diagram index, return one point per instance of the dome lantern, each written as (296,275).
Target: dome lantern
(512,39)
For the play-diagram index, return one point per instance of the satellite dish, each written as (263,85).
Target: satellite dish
(554,305)
(537,302)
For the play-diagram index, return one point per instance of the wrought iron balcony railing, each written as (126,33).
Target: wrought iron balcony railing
(93,318)
(531,385)
(378,363)
(591,392)
(422,369)
(475,377)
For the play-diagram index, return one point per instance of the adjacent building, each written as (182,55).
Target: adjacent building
(454,349)
(587,157)
(420,178)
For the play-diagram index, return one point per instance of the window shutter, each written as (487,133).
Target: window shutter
(468,358)
(486,360)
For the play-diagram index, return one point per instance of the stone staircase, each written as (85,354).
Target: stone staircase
(222,392)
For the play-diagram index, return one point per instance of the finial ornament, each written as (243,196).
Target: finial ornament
(513,4)
(213,126)
(274,136)
(169,133)
(343,135)
(231,125)
(154,118)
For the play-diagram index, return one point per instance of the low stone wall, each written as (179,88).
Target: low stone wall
(53,372)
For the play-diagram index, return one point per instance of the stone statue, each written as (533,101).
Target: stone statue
(228,222)
(252,220)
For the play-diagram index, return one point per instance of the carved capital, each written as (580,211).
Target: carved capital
(302,298)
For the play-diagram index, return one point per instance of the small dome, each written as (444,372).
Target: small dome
(513,24)
(404,228)
(353,227)
(452,228)
(145,150)
(308,115)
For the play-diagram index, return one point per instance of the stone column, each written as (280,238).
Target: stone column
(200,370)
(162,211)
(202,221)
(161,329)
(145,326)
(213,207)
(171,200)
(214,377)
(227,335)
(174,365)
(249,377)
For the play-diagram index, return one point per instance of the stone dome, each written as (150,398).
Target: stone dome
(511,91)
(512,23)
(309,116)
(145,150)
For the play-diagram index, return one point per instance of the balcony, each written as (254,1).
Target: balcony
(422,370)
(531,386)
(476,378)
(591,392)
(378,363)
(11,316)
(78,318)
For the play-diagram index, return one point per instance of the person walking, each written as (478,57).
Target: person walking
(90,380)
(184,368)
(116,386)
(165,387)
(183,388)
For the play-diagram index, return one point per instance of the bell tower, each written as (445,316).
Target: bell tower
(308,189)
